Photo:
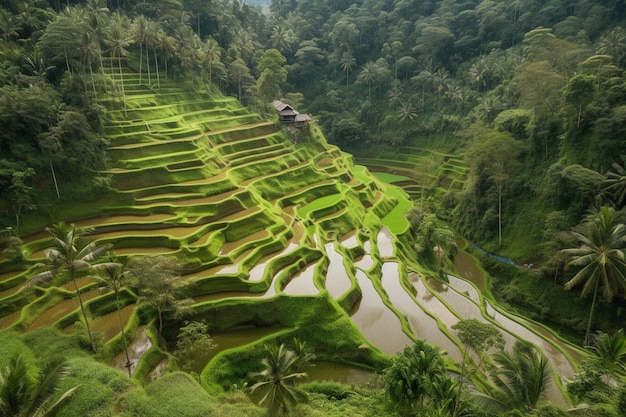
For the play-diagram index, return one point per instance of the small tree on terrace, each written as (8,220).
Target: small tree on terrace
(193,347)
(156,282)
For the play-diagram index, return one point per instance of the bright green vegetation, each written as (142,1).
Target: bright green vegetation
(498,120)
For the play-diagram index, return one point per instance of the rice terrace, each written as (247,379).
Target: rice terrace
(279,235)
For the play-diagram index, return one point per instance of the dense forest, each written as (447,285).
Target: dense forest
(531,93)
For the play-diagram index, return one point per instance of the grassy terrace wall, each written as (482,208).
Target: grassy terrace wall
(242,208)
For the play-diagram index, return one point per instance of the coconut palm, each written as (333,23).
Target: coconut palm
(278,382)
(69,256)
(210,55)
(610,351)
(347,63)
(600,257)
(22,395)
(368,75)
(140,36)
(520,381)
(114,276)
(118,38)
(615,184)
(613,42)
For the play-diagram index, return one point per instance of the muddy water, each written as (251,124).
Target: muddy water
(225,294)
(101,221)
(467,268)
(376,321)
(240,337)
(337,279)
(422,325)
(7,275)
(365,262)
(349,240)
(466,303)
(257,271)
(335,372)
(136,349)
(561,365)
(144,251)
(431,303)
(384,243)
(302,283)
(81,282)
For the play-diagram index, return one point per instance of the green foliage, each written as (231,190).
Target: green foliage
(277,381)
(478,336)
(174,393)
(417,380)
(193,346)
(22,394)
(520,381)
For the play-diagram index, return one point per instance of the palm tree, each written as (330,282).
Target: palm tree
(69,256)
(613,43)
(368,75)
(600,257)
(140,36)
(347,63)
(118,38)
(520,381)
(21,395)
(210,55)
(616,184)
(279,384)
(406,112)
(114,277)
(611,351)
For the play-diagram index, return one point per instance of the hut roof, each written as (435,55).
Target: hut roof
(302,117)
(280,106)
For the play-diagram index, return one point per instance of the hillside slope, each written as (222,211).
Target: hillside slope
(277,237)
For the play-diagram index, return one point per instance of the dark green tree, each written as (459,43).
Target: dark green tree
(193,347)
(599,258)
(277,381)
(155,279)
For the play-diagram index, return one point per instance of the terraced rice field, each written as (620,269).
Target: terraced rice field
(255,218)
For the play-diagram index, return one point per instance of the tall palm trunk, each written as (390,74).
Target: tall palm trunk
(593,306)
(119,64)
(128,364)
(82,309)
(148,63)
(156,69)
